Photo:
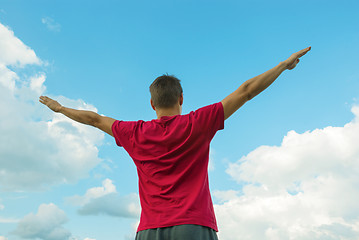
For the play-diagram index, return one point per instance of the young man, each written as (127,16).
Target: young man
(171,154)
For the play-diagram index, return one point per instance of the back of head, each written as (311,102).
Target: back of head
(165,91)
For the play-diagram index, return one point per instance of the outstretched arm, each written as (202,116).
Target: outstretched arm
(256,85)
(81,116)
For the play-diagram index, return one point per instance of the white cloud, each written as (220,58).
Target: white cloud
(224,196)
(113,204)
(37,83)
(45,224)
(14,51)
(307,188)
(51,24)
(3,238)
(7,77)
(42,147)
(106,200)
(92,193)
(56,150)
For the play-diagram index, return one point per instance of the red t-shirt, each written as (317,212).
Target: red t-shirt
(171,155)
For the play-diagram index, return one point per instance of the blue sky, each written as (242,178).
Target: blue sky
(294,144)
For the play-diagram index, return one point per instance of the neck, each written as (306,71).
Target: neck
(168,112)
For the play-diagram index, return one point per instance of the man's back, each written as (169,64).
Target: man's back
(171,155)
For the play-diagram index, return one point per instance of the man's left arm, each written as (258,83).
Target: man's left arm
(81,116)
(252,87)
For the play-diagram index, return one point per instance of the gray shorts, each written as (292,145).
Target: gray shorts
(180,232)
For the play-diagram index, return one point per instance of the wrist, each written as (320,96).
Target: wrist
(283,66)
(60,109)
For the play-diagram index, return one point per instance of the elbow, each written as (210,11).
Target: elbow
(94,120)
(247,91)
(249,96)
(250,93)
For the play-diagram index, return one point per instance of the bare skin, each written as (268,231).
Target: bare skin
(82,116)
(252,87)
(231,103)
(175,110)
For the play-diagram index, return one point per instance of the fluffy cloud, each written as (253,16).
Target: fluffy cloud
(45,224)
(307,188)
(7,77)
(14,51)
(42,147)
(92,193)
(3,238)
(106,200)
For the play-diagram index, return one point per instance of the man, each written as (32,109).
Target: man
(171,153)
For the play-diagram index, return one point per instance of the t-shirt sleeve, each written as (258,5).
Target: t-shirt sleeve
(122,132)
(210,118)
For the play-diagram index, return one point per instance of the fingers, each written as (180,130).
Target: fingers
(44,99)
(303,52)
(307,49)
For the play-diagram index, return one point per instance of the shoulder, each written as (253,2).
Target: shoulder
(120,126)
(212,108)
(126,124)
(123,130)
(210,117)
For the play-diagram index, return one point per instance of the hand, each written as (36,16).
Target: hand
(50,103)
(293,60)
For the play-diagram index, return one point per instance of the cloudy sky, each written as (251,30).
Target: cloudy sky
(286,166)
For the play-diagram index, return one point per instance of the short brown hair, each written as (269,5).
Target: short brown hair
(165,91)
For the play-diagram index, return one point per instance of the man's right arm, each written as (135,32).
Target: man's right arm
(256,85)
(82,116)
